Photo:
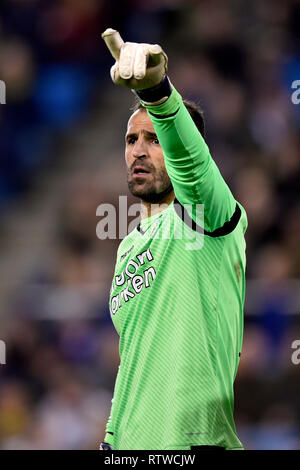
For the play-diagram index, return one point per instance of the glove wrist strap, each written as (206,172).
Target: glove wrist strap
(157,94)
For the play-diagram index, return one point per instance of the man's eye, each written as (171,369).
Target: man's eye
(155,141)
(131,140)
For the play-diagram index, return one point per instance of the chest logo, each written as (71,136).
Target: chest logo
(133,283)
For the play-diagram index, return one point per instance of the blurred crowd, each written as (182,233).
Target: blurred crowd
(237,60)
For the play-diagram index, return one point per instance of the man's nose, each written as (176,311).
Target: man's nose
(139,149)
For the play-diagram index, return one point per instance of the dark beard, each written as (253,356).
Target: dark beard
(151,195)
(154,197)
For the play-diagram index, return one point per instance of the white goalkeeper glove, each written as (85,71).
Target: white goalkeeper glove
(138,66)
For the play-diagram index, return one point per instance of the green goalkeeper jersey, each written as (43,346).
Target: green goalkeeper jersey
(176,302)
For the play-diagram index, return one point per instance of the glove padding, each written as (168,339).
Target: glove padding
(137,66)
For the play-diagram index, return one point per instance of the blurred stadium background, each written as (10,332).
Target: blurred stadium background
(61,155)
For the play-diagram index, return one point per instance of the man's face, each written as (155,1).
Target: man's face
(147,176)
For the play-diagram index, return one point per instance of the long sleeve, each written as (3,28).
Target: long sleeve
(109,432)
(195,176)
(110,426)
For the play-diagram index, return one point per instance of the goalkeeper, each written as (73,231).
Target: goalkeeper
(177,306)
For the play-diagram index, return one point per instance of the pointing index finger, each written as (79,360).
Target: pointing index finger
(113,41)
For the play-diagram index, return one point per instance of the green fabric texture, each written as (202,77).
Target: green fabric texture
(176,301)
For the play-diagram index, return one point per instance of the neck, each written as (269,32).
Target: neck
(149,209)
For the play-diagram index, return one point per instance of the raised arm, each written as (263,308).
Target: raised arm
(195,177)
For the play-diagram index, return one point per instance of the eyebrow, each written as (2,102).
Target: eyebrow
(148,134)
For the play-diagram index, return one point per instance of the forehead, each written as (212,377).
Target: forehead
(139,121)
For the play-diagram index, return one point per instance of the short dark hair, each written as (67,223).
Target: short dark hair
(194,109)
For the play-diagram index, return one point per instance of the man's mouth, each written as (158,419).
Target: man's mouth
(139,170)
